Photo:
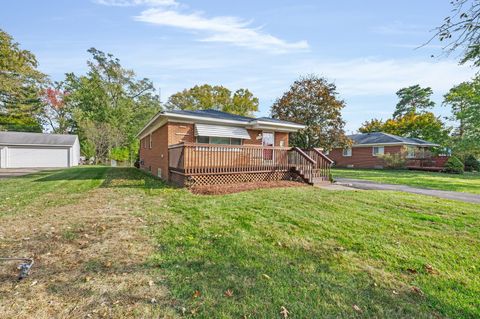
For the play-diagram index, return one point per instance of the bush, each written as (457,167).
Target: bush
(471,164)
(454,166)
(395,160)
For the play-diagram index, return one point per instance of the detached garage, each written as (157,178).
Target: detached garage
(22,150)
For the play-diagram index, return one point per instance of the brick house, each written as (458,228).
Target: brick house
(367,148)
(212,147)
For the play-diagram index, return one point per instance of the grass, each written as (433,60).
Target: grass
(467,183)
(316,253)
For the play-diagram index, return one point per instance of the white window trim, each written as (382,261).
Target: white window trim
(209,142)
(379,147)
(150,141)
(413,152)
(349,154)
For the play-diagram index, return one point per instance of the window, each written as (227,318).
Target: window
(347,151)
(150,141)
(378,150)
(410,152)
(218,140)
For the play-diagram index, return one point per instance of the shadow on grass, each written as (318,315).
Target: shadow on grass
(129,177)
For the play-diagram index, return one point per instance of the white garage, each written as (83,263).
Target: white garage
(24,150)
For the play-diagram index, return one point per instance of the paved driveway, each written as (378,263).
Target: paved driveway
(12,172)
(369,185)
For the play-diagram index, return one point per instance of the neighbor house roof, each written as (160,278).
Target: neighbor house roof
(380,138)
(218,117)
(24,138)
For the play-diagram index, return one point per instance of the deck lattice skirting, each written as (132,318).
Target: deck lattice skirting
(192,164)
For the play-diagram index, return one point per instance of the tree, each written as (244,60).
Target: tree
(464,99)
(57,112)
(413,99)
(374,125)
(314,102)
(20,87)
(425,126)
(110,105)
(461,30)
(202,97)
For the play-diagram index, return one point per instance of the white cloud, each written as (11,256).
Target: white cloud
(131,3)
(225,29)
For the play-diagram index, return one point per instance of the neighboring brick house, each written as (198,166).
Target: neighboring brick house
(367,147)
(178,142)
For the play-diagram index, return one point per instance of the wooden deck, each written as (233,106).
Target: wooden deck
(204,164)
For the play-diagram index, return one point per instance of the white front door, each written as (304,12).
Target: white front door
(268,139)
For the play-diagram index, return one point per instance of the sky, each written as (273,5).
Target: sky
(369,49)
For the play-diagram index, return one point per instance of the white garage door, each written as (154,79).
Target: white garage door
(37,157)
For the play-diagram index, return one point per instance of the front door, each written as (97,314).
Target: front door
(268,139)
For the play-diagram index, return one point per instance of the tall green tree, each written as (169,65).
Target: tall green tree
(20,87)
(201,97)
(314,102)
(374,125)
(464,99)
(413,99)
(110,104)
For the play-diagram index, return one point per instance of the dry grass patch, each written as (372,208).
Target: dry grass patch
(236,188)
(89,261)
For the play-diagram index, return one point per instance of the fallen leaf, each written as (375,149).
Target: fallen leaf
(197,294)
(395,292)
(357,308)
(153,300)
(229,293)
(151,283)
(87,279)
(284,312)
(266,276)
(417,290)
(430,269)
(411,270)
(33,283)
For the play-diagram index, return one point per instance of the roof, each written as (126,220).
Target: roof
(24,138)
(222,118)
(385,138)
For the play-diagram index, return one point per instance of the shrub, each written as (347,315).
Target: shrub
(471,164)
(395,160)
(453,165)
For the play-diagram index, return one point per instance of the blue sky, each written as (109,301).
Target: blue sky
(368,48)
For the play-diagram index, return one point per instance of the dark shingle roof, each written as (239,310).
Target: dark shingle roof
(227,116)
(23,138)
(385,138)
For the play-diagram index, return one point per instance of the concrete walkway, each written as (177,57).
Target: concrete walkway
(369,185)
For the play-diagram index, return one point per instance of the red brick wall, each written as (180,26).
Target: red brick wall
(361,157)
(174,133)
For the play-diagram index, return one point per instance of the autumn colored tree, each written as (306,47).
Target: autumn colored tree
(20,87)
(464,99)
(314,102)
(57,111)
(202,97)
(413,99)
(374,125)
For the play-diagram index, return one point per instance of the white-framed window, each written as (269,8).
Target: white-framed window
(219,140)
(378,150)
(150,141)
(347,151)
(410,151)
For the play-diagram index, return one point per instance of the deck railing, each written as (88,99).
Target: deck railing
(209,159)
(201,159)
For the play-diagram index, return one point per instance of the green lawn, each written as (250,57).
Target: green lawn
(318,253)
(468,182)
